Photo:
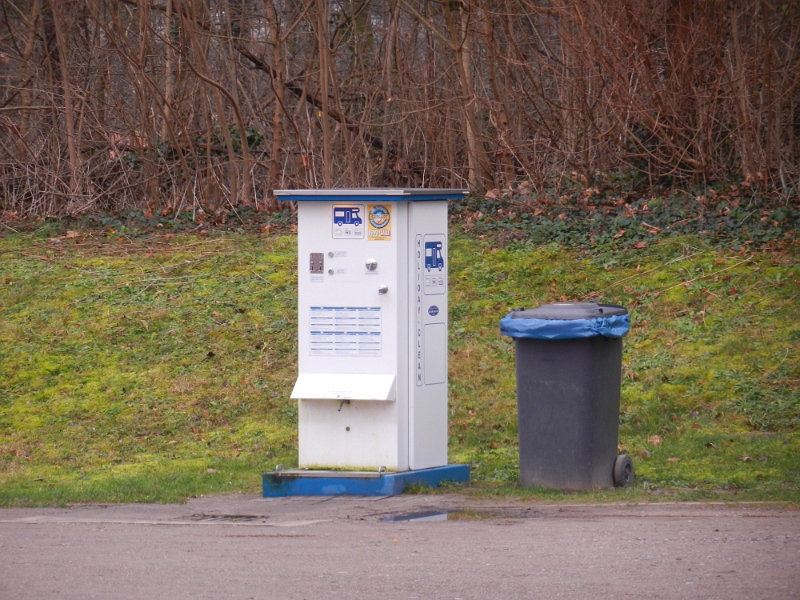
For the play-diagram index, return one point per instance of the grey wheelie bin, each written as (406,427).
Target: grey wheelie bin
(569,371)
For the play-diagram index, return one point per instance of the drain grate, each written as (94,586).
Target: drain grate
(222,518)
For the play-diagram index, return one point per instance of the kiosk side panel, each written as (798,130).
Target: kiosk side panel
(428,335)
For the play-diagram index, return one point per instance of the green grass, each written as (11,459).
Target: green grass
(710,400)
(129,370)
(157,369)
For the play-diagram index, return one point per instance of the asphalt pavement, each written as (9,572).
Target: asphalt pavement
(410,546)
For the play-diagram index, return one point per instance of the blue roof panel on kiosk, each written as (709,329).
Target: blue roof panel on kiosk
(372,194)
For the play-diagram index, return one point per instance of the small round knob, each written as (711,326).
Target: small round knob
(382,289)
(372,264)
(330,271)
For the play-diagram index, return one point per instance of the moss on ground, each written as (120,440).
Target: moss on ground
(710,400)
(161,368)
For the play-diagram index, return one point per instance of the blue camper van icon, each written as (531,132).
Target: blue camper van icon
(347,215)
(433,256)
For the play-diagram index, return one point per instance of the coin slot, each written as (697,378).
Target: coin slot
(317,262)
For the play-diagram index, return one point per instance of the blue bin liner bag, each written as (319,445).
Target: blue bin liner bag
(615,326)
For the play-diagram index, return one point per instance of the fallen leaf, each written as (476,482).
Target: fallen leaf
(673,459)
(72,234)
(640,245)
(212,471)
(655,439)
(645,454)
(746,459)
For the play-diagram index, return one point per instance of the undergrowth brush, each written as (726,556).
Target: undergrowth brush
(613,213)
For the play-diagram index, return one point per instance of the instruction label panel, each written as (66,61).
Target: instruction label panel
(345,331)
(348,221)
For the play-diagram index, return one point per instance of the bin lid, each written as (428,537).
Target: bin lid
(569,311)
(567,321)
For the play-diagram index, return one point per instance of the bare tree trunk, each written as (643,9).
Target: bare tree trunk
(66,87)
(479,171)
(388,79)
(169,76)
(278,82)
(233,78)
(504,133)
(25,93)
(324,65)
(218,90)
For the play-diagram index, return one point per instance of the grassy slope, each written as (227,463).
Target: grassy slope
(129,371)
(710,368)
(160,369)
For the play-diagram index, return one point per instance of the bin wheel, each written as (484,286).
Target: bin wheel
(623,471)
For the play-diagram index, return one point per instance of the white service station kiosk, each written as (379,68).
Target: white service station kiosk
(372,335)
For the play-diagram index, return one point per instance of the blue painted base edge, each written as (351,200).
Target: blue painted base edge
(277,484)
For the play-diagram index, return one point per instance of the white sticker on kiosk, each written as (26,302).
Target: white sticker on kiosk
(348,222)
